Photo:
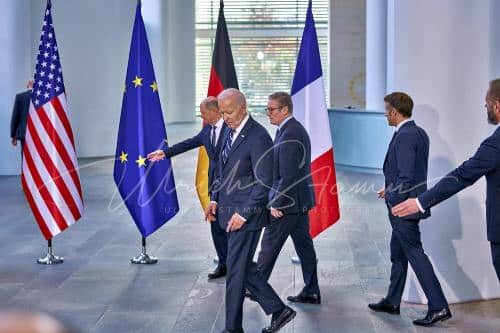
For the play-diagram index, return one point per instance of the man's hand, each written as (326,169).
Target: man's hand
(235,223)
(276,213)
(211,211)
(407,207)
(156,156)
(381,193)
(13,141)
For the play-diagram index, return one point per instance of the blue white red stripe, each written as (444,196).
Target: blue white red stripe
(309,104)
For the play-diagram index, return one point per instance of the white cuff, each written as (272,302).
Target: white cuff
(241,217)
(422,210)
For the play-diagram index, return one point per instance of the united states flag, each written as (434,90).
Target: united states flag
(50,171)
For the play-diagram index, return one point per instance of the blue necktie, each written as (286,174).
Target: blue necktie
(227,146)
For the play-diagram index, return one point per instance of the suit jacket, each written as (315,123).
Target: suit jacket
(201,139)
(242,183)
(405,166)
(485,162)
(20,115)
(292,190)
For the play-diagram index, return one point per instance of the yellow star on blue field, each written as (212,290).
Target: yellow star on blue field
(123,157)
(138,81)
(141,161)
(154,86)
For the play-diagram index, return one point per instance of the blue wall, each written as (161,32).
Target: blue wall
(360,139)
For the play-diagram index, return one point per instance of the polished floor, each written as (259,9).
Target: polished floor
(98,290)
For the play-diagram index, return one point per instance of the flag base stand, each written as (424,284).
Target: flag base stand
(144,258)
(50,258)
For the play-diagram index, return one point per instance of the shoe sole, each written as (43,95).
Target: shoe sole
(304,302)
(437,321)
(287,321)
(383,311)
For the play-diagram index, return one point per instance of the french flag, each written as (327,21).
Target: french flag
(309,104)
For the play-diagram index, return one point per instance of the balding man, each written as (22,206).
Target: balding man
(240,196)
(209,137)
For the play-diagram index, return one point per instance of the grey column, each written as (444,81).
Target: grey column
(178,19)
(15,70)
(376,55)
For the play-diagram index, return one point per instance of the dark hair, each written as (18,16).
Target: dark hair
(283,98)
(401,102)
(494,90)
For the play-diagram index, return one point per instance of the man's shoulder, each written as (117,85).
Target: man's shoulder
(23,95)
(257,130)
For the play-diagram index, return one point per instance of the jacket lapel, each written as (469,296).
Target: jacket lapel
(241,137)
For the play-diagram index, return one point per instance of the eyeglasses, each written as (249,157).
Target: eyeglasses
(269,110)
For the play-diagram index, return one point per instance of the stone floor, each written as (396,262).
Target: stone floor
(98,290)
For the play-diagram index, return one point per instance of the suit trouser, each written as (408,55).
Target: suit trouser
(406,246)
(275,236)
(495,255)
(219,237)
(242,273)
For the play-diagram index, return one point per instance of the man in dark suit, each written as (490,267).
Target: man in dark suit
(405,172)
(239,198)
(485,162)
(20,116)
(210,138)
(290,198)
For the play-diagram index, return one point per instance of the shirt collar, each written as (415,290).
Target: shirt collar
(242,124)
(280,126)
(219,123)
(402,123)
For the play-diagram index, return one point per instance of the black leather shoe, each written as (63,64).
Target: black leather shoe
(250,296)
(383,306)
(305,298)
(232,331)
(433,317)
(279,320)
(219,272)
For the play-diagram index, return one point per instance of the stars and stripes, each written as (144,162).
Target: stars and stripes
(50,176)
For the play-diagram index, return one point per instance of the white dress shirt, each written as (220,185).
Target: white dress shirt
(218,129)
(239,128)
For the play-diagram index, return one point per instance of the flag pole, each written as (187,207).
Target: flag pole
(50,258)
(144,258)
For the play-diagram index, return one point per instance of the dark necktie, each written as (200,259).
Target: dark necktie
(277,135)
(213,136)
(227,146)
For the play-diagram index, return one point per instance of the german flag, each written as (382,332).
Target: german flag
(222,76)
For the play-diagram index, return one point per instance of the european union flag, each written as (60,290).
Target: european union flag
(147,190)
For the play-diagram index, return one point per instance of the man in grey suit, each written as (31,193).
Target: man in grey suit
(20,116)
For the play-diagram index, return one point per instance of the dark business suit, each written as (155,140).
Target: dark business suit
(292,193)
(242,186)
(485,162)
(203,138)
(20,116)
(405,171)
